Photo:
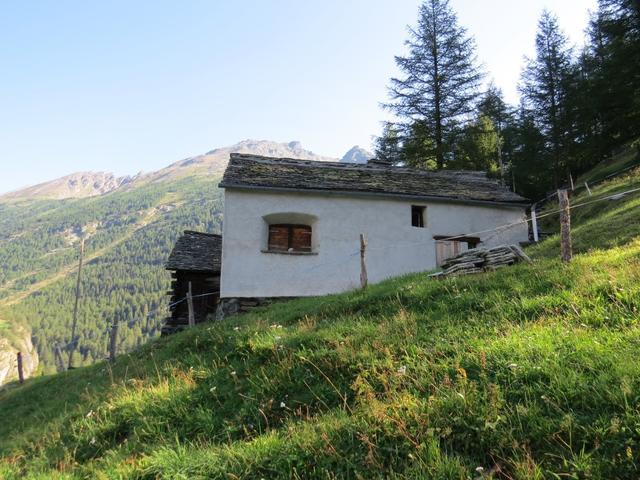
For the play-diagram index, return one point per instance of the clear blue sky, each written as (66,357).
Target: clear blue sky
(125,86)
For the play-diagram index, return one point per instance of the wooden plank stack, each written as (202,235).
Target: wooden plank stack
(480,260)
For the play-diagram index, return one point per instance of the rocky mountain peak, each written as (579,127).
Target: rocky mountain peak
(357,154)
(75,185)
(89,184)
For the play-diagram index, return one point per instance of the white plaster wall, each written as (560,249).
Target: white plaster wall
(395,247)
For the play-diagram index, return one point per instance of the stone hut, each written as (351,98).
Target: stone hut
(196,259)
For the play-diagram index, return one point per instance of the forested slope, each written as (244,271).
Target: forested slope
(129,235)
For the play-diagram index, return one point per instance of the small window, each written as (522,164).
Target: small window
(289,238)
(418,216)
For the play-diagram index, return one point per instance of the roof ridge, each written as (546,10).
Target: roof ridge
(194,232)
(258,171)
(354,166)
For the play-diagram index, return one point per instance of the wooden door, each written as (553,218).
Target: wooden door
(448,248)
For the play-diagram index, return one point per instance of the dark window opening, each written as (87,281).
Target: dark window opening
(417,216)
(289,238)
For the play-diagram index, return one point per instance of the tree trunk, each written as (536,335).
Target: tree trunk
(437,97)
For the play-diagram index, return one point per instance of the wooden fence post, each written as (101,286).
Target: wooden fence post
(363,266)
(192,319)
(565,226)
(113,341)
(20,368)
(75,307)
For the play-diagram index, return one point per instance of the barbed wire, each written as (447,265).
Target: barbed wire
(592,183)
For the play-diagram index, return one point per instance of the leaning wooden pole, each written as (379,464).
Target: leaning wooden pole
(75,308)
(363,265)
(565,226)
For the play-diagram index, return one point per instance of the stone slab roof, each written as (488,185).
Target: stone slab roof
(265,173)
(196,251)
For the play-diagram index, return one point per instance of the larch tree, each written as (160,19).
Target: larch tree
(478,146)
(387,146)
(439,86)
(614,70)
(544,87)
(493,106)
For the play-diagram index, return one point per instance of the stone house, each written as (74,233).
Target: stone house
(292,227)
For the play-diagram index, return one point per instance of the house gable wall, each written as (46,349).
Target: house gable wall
(394,246)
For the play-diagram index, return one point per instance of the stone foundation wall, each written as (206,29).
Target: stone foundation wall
(234,306)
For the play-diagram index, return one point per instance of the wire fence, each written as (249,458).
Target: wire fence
(343,259)
(587,185)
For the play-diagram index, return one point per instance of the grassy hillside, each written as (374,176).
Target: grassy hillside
(626,158)
(129,236)
(527,372)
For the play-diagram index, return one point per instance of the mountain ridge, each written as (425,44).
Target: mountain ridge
(90,184)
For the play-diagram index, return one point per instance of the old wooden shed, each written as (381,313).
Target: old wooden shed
(196,259)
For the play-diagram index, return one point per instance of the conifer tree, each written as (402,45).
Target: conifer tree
(544,88)
(492,105)
(612,67)
(387,146)
(478,147)
(526,144)
(439,86)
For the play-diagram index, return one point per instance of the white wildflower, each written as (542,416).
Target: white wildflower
(278,337)
(213,389)
(90,414)
(402,370)
(283,405)
(479,469)
(233,373)
(512,366)
(93,441)
(236,328)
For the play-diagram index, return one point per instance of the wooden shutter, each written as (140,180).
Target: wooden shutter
(278,238)
(300,238)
